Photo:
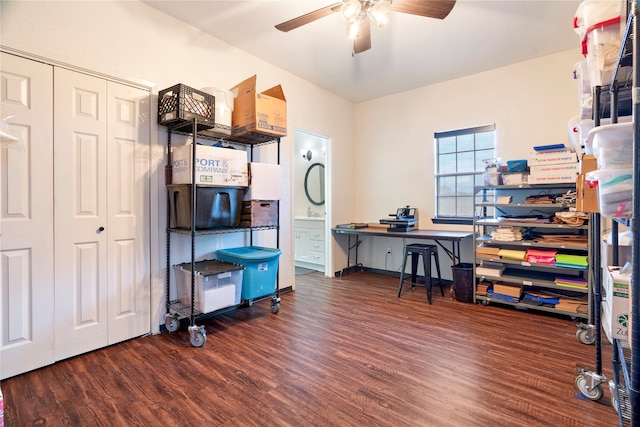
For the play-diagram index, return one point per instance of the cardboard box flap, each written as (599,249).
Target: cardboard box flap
(247,87)
(275,92)
(264,113)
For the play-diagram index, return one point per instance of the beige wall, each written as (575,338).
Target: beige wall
(530,103)
(131,40)
(381,153)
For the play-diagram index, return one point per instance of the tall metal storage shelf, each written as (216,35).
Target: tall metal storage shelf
(532,277)
(175,309)
(625,385)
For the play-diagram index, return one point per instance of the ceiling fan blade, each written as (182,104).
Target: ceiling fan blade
(438,9)
(294,23)
(363,42)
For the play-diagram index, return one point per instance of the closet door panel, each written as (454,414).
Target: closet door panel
(81,228)
(26,216)
(129,282)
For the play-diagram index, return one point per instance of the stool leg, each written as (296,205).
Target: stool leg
(426,262)
(404,265)
(435,256)
(414,268)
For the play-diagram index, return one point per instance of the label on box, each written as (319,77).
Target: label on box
(618,302)
(551,179)
(214,166)
(551,158)
(560,169)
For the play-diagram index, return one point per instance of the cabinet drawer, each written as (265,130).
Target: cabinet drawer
(316,257)
(317,246)
(316,235)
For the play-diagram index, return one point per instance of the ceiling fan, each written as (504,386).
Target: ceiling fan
(360,13)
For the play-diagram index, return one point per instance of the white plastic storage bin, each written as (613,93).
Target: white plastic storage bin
(216,285)
(600,25)
(224,109)
(615,191)
(612,145)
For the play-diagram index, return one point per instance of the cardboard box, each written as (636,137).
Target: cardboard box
(587,198)
(504,289)
(588,163)
(551,158)
(616,304)
(259,213)
(264,112)
(265,182)
(554,173)
(514,178)
(215,166)
(555,170)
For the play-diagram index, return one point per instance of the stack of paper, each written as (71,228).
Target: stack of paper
(564,239)
(571,282)
(482,288)
(572,261)
(542,256)
(515,254)
(507,234)
(540,298)
(573,306)
(487,268)
(483,251)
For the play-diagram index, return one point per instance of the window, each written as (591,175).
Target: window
(460,167)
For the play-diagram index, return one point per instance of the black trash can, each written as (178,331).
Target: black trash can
(463,281)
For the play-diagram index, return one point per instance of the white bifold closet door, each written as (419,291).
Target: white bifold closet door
(101,174)
(26,222)
(74,226)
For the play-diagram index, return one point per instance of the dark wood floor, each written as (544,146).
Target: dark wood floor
(340,353)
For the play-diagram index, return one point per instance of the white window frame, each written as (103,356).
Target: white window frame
(479,153)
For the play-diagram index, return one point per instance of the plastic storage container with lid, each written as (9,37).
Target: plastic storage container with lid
(216,284)
(224,101)
(615,191)
(261,268)
(612,145)
(600,25)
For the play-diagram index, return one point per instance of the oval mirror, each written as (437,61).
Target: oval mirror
(314,184)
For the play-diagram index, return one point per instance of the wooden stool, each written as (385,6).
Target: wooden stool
(427,251)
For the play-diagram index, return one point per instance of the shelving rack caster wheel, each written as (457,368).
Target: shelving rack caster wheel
(588,389)
(484,302)
(171,322)
(197,335)
(275,305)
(586,334)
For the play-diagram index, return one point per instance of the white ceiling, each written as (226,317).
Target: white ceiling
(410,52)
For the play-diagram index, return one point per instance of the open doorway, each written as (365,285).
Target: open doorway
(310,201)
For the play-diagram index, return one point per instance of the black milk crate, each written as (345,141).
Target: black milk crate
(180,104)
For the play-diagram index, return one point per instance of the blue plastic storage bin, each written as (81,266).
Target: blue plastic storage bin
(261,268)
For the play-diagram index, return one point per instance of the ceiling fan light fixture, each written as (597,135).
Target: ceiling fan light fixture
(350,10)
(379,13)
(353,29)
